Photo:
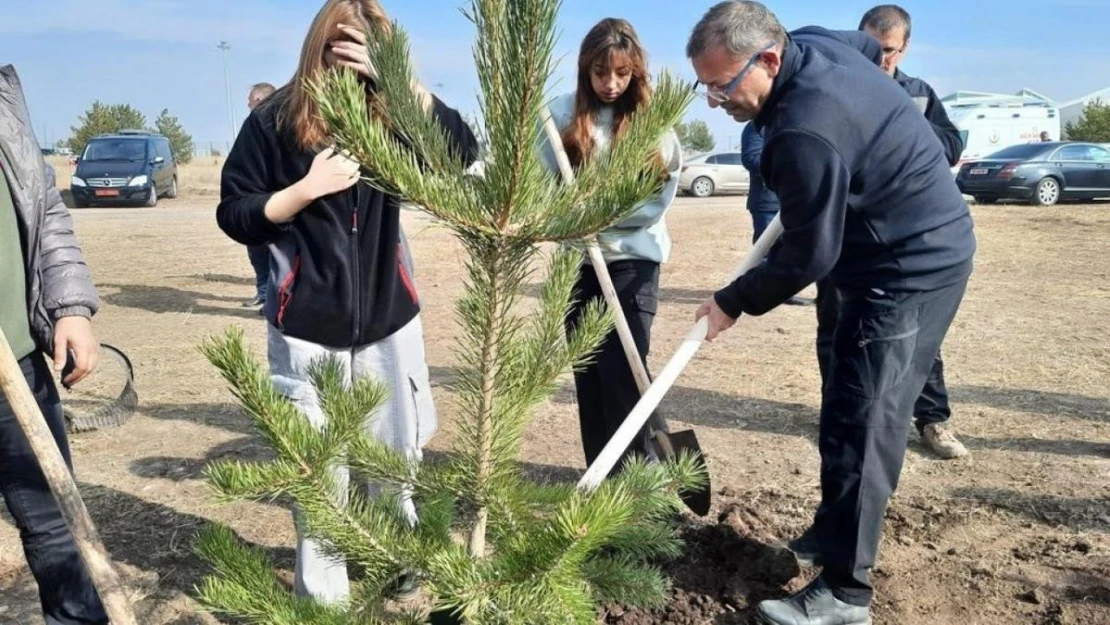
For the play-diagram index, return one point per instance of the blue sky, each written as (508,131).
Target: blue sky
(156,54)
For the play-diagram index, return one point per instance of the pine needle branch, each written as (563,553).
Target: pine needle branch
(244,586)
(391,164)
(624,580)
(534,553)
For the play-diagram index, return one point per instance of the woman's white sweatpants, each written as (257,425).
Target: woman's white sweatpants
(406,422)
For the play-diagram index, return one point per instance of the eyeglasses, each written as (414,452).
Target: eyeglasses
(722,95)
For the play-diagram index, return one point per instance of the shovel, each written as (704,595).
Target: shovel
(665,444)
(609,456)
(14,387)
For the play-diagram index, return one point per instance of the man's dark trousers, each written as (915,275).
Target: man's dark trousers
(260,261)
(883,347)
(931,405)
(65,589)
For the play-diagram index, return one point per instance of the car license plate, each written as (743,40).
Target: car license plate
(979,171)
(107,192)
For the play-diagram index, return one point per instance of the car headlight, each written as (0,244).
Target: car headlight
(76,182)
(137,181)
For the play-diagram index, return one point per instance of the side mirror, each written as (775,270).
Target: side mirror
(158,160)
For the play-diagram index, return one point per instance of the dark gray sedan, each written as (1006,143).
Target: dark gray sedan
(1043,173)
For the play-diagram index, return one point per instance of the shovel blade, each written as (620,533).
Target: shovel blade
(671,445)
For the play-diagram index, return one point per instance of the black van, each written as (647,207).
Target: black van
(129,167)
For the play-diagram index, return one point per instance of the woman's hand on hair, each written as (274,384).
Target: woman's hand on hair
(354,53)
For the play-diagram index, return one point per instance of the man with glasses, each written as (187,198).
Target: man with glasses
(890,25)
(866,196)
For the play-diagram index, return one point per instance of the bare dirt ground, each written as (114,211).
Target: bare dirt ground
(1016,533)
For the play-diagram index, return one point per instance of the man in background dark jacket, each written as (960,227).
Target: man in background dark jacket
(763,204)
(890,25)
(259,255)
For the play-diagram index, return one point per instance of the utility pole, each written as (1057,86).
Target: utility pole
(224,47)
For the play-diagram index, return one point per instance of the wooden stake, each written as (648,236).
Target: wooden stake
(30,418)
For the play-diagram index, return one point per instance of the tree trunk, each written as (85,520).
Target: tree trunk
(485,409)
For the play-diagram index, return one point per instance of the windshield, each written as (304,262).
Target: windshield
(1025,150)
(116,150)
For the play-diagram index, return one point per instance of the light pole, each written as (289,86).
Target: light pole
(224,47)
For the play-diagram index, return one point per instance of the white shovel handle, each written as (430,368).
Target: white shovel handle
(649,401)
(759,250)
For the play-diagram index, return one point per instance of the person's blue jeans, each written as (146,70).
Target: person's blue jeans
(260,261)
(760,220)
(66,592)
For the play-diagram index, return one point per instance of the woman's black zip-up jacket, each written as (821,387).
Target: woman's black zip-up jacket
(338,272)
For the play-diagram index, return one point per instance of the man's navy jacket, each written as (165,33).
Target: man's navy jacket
(864,185)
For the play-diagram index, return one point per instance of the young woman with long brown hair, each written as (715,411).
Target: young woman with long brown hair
(612,84)
(340,278)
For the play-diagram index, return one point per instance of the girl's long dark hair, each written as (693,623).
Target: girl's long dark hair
(609,38)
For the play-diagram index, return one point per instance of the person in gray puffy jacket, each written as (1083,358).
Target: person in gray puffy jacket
(46,302)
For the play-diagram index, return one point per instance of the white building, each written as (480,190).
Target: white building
(1070,112)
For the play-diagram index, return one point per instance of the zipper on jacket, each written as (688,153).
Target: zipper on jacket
(356,333)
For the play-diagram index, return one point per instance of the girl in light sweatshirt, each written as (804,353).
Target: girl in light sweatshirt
(612,84)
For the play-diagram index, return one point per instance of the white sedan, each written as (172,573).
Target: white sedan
(715,172)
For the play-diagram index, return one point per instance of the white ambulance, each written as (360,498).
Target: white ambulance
(989,122)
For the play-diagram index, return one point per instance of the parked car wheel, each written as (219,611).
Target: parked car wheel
(985,199)
(152,199)
(79,204)
(702,187)
(172,193)
(1047,192)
